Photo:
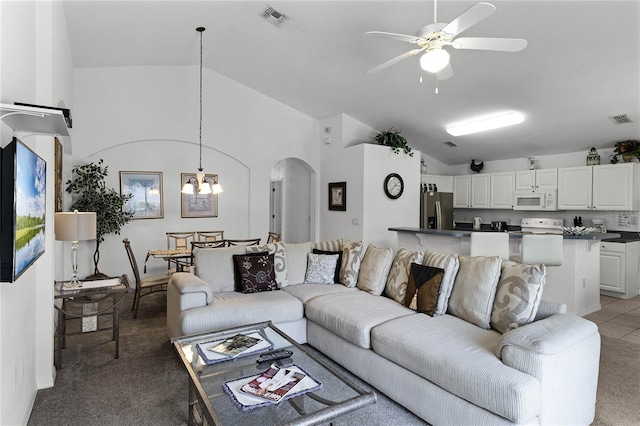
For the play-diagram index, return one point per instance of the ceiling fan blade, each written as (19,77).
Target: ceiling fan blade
(468,18)
(399,37)
(445,73)
(487,43)
(394,60)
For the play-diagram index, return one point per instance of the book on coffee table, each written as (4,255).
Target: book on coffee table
(274,384)
(236,345)
(213,351)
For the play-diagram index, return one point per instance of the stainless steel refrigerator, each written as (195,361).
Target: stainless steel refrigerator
(436,210)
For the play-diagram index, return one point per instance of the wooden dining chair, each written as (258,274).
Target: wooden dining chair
(146,285)
(273,237)
(210,235)
(247,242)
(180,241)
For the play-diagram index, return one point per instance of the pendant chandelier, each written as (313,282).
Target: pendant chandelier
(201,183)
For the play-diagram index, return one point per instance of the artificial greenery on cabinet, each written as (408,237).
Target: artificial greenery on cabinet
(392,138)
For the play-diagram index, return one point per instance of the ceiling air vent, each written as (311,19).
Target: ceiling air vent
(273,16)
(450,143)
(621,119)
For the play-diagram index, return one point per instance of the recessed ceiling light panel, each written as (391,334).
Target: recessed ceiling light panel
(488,123)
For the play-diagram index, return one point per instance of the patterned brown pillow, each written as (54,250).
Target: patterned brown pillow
(255,272)
(423,288)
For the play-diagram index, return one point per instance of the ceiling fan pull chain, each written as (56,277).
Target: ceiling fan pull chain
(436,85)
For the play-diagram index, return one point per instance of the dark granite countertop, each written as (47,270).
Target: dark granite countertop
(462,233)
(625,237)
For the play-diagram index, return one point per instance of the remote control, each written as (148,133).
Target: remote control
(273,356)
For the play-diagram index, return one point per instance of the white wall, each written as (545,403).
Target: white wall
(35,68)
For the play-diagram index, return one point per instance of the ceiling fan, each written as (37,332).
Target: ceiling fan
(431,39)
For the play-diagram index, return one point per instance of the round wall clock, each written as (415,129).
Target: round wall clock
(393,186)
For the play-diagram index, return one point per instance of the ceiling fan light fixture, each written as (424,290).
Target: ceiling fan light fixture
(489,123)
(434,60)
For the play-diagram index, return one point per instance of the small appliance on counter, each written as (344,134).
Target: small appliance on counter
(497,225)
(598,224)
(477,222)
(542,225)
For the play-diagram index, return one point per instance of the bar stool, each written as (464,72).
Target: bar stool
(490,244)
(542,248)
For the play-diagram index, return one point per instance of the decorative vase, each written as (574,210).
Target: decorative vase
(628,157)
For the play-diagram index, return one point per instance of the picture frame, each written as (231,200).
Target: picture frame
(338,196)
(23,191)
(145,188)
(198,205)
(57,172)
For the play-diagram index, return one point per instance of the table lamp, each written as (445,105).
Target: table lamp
(74,227)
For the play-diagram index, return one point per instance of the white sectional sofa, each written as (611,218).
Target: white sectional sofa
(492,353)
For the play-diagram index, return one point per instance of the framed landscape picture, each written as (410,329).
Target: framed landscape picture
(145,189)
(338,196)
(199,205)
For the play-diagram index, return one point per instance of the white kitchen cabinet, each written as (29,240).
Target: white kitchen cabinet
(575,188)
(442,182)
(501,191)
(537,179)
(614,186)
(462,191)
(472,191)
(619,267)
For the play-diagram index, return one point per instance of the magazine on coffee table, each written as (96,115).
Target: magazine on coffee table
(272,386)
(239,345)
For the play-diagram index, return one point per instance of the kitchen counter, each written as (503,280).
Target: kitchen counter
(575,283)
(625,237)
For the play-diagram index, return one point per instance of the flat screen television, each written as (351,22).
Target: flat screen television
(23,190)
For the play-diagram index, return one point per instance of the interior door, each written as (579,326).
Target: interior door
(275,207)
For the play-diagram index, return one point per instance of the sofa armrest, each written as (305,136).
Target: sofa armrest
(186,283)
(546,309)
(563,353)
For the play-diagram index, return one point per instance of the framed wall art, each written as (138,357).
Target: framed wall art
(23,193)
(338,196)
(146,194)
(57,172)
(198,205)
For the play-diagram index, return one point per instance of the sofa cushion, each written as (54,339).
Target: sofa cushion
(351,315)
(231,309)
(351,259)
(279,259)
(255,272)
(450,263)
(459,357)
(321,268)
(374,269)
(475,289)
(398,277)
(306,292)
(216,267)
(518,295)
(336,275)
(423,288)
(297,261)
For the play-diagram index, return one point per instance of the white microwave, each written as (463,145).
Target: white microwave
(535,199)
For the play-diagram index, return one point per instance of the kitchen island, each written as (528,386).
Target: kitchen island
(575,283)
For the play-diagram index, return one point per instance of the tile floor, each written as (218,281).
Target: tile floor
(618,318)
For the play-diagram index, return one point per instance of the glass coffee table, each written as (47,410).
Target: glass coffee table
(209,400)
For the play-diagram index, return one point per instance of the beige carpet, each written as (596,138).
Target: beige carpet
(618,402)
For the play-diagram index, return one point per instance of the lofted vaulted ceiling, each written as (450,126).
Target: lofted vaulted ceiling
(581,65)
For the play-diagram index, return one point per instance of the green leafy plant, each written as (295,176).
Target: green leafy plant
(628,147)
(393,139)
(94,196)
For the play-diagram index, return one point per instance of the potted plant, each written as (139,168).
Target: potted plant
(393,139)
(627,150)
(94,196)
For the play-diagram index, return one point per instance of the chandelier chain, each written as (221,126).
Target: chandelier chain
(200,129)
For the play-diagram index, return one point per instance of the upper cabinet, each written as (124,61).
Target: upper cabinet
(536,179)
(471,191)
(502,185)
(574,188)
(605,187)
(614,186)
(443,183)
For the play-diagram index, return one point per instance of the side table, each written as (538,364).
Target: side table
(92,293)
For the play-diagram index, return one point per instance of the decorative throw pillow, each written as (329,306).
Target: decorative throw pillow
(423,288)
(475,289)
(255,272)
(374,269)
(279,259)
(518,295)
(450,263)
(330,245)
(336,275)
(297,261)
(399,273)
(351,259)
(321,268)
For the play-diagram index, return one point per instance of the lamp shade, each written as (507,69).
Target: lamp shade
(75,226)
(434,60)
